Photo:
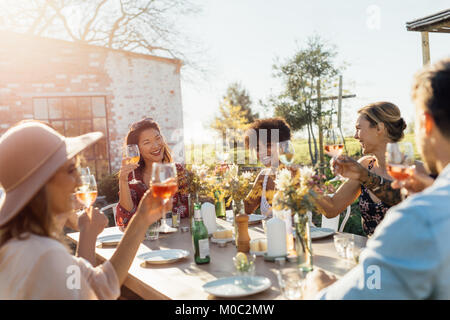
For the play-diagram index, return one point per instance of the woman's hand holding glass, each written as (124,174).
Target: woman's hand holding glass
(399,162)
(133,156)
(126,168)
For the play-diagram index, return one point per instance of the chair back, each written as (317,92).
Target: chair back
(114,209)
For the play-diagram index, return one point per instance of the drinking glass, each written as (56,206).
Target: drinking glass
(399,162)
(333,146)
(291,282)
(132,152)
(153,231)
(345,245)
(164,185)
(286,152)
(86,193)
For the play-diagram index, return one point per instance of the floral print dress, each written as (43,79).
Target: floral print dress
(180,199)
(371,212)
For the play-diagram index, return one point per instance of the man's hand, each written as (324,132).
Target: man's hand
(347,167)
(417,181)
(315,282)
(92,221)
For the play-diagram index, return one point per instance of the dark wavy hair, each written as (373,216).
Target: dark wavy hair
(135,131)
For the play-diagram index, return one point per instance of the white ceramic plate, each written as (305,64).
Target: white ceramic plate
(110,240)
(163,256)
(319,233)
(238,286)
(255,218)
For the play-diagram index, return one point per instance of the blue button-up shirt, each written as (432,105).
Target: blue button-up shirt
(408,257)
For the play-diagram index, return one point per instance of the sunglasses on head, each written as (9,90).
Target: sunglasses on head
(138,124)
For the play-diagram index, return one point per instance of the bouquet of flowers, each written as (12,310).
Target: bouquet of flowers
(237,185)
(298,191)
(195,179)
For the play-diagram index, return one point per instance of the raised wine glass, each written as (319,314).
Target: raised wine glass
(86,193)
(164,185)
(399,162)
(286,152)
(133,154)
(333,146)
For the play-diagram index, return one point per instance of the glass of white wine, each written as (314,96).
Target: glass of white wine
(86,193)
(133,154)
(286,152)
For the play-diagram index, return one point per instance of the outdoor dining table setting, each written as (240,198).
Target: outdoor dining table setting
(165,268)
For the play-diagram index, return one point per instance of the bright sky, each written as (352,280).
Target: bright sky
(243,38)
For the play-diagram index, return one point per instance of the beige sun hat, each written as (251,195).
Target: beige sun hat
(30,154)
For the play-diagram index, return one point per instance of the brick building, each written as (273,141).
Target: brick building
(79,88)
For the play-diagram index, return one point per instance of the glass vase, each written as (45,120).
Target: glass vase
(303,244)
(220,205)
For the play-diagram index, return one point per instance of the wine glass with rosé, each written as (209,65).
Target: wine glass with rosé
(86,193)
(132,152)
(334,146)
(400,161)
(164,185)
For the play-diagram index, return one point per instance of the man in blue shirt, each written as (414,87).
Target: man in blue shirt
(408,257)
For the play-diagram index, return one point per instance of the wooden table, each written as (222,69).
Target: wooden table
(184,279)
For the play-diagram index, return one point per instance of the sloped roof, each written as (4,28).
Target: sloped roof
(438,22)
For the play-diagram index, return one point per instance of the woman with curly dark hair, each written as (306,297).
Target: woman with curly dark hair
(276,130)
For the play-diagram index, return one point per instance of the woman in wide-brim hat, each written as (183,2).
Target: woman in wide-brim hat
(38,174)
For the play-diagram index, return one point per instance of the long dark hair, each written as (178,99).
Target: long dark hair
(135,131)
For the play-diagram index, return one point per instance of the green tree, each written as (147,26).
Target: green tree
(231,117)
(298,102)
(239,96)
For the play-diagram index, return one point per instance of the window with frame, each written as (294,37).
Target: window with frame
(74,116)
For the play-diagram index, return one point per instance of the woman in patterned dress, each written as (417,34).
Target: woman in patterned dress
(378,124)
(152,148)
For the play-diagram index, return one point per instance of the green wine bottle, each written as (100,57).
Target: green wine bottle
(200,239)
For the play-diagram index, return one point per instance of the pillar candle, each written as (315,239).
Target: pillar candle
(276,237)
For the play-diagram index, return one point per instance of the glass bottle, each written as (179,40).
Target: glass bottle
(200,239)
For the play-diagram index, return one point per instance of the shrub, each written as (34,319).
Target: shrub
(109,187)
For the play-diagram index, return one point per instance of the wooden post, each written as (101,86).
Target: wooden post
(319,124)
(340,113)
(425,48)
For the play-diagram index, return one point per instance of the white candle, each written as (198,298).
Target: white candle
(276,237)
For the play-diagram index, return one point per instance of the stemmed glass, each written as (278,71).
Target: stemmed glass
(132,152)
(334,146)
(86,193)
(399,162)
(286,152)
(164,185)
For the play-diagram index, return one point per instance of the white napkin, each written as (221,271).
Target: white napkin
(209,217)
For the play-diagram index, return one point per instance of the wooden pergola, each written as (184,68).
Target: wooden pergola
(438,22)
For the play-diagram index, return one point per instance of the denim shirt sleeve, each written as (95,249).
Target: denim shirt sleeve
(401,260)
